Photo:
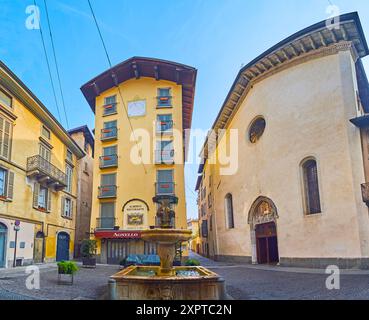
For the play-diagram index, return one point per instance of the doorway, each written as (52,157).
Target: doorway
(3,233)
(62,248)
(267,243)
(38,254)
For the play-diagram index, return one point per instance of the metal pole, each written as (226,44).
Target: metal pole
(15,249)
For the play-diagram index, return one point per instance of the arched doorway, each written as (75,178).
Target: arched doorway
(38,252)
(263,217)
(62,248)
(3,234)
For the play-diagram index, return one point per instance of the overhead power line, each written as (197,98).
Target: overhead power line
(56,64)
(117,85)
(48,67)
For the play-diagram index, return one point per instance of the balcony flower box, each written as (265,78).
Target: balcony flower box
(2,197)
(41,209)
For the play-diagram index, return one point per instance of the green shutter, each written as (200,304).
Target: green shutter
(48,205)
(36,191)
(10,189)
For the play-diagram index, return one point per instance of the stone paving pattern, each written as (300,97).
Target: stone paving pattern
(244,282)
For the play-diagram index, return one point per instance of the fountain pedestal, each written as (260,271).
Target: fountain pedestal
(166,282)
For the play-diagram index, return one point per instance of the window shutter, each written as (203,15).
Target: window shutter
(1,134)
(62,206)
(36,191)
(6,140)
(10,190)
(71,209)
(48,205)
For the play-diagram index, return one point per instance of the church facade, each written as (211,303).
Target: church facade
(298,115)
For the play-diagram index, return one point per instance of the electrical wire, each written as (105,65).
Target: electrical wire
(56,64)
(110,65)
(49,69)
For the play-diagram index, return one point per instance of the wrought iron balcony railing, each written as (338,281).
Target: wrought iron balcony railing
(109,134)
(164,156)
(110,109)
(165,188)
(43,170)
(109,161)
(164,127)
(164,101)
(106,223)
(107,192)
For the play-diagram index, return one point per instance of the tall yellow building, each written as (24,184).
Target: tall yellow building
(38,186)
(140,100)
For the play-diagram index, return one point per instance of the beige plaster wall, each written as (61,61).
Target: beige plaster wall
(307,109)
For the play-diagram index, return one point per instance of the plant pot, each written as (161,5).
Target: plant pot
(89,262)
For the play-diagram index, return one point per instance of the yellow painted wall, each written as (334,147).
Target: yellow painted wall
(25,143)
(132,180)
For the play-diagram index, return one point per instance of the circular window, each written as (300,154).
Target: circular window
(256,129)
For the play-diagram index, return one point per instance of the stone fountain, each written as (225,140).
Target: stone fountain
(166,282)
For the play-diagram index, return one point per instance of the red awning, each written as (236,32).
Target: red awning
(118,234)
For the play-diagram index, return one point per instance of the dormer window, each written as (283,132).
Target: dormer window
(164,98)
(5,99)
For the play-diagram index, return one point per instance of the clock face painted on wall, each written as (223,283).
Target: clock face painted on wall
(137,108)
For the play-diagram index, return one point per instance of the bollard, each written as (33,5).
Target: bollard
(112,286)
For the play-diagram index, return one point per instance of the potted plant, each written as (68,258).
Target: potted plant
(67,268)
(88,252)
(192,263)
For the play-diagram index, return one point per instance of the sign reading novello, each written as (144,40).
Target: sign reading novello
(135,214)
(118,234)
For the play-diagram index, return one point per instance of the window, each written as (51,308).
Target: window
(3,174)
(204,228)
(164,152)
(67,207)
(164,123)
(108,179)
(6,184)
(210,200)
(69,156)
(110,105)
(107,215)
(311,187)
(257,129)
(5,99)
(42,198)
(165,183)
(45,152)
(5,138)
(229,211)
(110,151)
(69,173)
(45,132)
(109,131)
(164,98)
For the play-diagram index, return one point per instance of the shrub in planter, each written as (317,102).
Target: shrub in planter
(192,263)
(88,252)
(67,267)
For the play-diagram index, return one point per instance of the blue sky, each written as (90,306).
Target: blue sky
(215,36)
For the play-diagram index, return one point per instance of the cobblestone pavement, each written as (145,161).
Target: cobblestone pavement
(246,282)
(89,284)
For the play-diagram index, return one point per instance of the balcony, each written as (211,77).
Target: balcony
(45,172)
(165,188)
(107,192)
(164,156)
(365,193)
(108,223)
(109,134)
(110,161)
(164,127)
(164,102)
(110,109)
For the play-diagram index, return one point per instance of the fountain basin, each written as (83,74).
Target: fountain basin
(185,283)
